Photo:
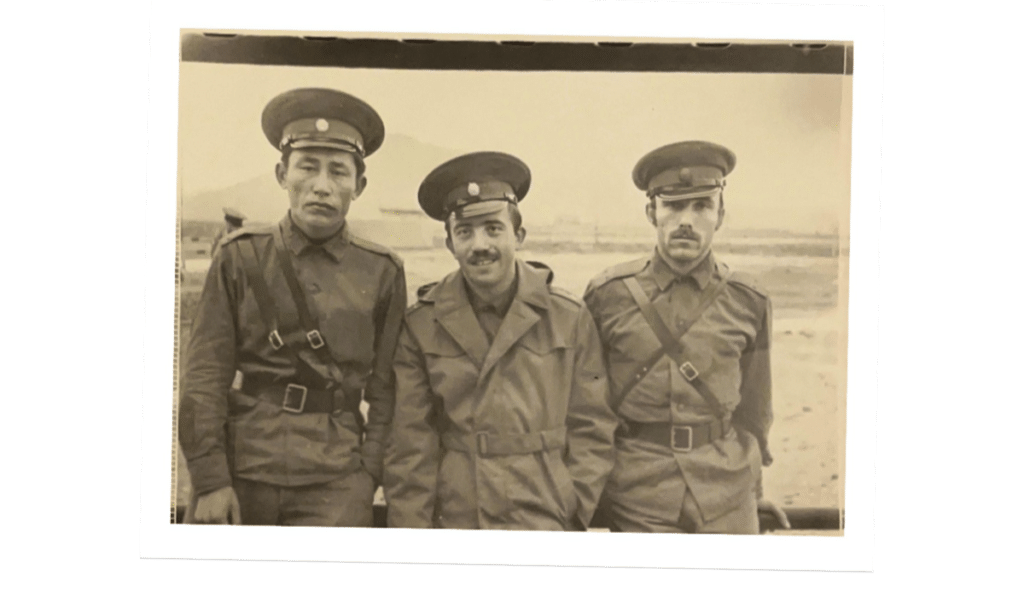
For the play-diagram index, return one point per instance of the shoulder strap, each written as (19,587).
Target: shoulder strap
(306,318)
(670,342)
(616,272)
(268,311)
(260,291)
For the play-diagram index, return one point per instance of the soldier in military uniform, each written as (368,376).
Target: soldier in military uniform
(687,344)
(297,325)
(233,220)
(501,417)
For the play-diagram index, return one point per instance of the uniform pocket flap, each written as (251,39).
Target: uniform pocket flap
(544,342)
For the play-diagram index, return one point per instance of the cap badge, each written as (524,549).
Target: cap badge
(322,125)
(473,189)
(685,175)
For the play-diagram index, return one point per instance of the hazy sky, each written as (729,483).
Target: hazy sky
(580,133)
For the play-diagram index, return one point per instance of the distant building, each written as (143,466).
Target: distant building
(400,229)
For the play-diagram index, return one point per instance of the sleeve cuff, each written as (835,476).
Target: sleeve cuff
(209,473)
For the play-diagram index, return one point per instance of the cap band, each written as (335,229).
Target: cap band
(322,132)
(684,195)
(482,208)
(478,192)
(679,180)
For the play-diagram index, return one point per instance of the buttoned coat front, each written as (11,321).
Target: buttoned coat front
(542,380)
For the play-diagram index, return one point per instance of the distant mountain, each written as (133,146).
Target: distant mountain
(394,174)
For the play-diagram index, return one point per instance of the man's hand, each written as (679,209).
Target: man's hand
(219,507)
(765,506)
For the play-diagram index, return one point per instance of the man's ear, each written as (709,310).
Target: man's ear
(721,212)
(279,172)
(448,243)
(651,217)
(360,186)
(520,236)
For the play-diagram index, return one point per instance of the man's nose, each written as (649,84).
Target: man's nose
(322,185)
(480,242)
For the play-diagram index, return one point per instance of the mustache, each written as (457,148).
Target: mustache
(481,255)
(684,234)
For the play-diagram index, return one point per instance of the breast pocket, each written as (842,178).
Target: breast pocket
(543,374)
(452,372)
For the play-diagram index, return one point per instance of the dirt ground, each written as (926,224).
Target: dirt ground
(808,358)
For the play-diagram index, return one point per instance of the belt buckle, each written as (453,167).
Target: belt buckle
(275,340)
(315,340)
(290,392)
(688,371)
(678,429)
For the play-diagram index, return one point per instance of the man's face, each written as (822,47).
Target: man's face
(321,185)
(485,247)
(687,227)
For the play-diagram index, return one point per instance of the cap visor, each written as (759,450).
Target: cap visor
(310,144)
(686,196)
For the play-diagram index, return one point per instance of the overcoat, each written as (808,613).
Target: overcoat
(515,434)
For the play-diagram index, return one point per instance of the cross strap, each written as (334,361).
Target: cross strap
(306,319)
(284,335)
(670,342)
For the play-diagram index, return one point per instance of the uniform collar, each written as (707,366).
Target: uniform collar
(500,307)
(452,292)
(297,241)
(664,275)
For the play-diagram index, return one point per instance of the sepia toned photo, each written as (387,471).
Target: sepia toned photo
(480,283)
(595,286)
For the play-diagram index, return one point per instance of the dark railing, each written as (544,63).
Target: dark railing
(800,519)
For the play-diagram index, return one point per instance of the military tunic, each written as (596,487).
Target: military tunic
(729,346)
(356,291)
(512,434)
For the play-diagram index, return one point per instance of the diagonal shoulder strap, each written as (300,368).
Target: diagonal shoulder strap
(306,318)
(264,301)
(670,342)
(281,334)
(309,323)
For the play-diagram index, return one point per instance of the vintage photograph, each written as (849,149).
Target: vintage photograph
(573,285)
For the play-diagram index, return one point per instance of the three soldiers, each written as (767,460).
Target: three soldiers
(498,401)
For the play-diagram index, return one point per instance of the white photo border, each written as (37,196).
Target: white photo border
(159,538)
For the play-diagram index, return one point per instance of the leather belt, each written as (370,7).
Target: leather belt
(680,437)
(299,399)
(492,445)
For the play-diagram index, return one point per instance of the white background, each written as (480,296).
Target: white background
(854,552)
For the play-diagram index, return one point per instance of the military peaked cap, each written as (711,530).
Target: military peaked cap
(473,185)
(318,117)
(233,215)
(686,170)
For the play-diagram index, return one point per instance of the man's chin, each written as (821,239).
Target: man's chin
(321,225)
(682,256)
(483,276)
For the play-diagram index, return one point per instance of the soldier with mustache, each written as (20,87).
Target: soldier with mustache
(688,348)
(296,326)
(501,416)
